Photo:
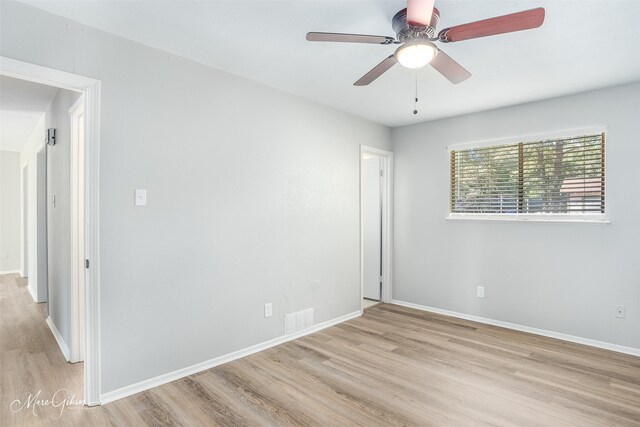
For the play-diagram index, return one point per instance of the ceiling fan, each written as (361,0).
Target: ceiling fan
(415,29)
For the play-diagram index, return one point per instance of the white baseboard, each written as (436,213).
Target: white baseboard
(32,293)
(565,337)
(59,340)
(11,272)
(199,367)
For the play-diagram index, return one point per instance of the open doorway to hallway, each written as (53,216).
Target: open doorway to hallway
(89,223)
(42,299)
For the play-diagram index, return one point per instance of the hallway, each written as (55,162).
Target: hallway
(32,362)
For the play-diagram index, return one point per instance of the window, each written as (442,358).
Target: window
(557,177)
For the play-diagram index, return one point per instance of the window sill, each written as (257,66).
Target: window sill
(532,218)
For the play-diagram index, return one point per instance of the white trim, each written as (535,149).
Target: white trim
(77,106)
(591,130)
(377,151)
(44,75)
(568,218)
(58,337)
(32,293)
(92,373)
(11,272)
(545,333)
(91,90)
(203,366)
(387,223)
(77,209)
(24,224)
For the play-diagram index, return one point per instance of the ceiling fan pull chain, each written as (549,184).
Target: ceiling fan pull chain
(415,105)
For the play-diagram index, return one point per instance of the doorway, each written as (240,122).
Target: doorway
(376,185)
(371,228)
(87,216)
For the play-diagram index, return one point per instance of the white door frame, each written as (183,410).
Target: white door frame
(386,165)
(24,220)
(90,88)
(76,116)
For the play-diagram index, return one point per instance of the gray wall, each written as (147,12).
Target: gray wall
(565,278)
(10,239)
(252,192)
(59,216)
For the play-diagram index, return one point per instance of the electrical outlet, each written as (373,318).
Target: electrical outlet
(268,310)
(620,311)
(480,292)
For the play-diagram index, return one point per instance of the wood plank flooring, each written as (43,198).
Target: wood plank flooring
(392,366)
(31,362)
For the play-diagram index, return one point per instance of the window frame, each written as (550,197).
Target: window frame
(583,218)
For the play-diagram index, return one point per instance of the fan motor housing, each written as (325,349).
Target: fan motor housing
(405,32)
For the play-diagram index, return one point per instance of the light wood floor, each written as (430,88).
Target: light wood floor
(31,361)
(368,303)
(393,366)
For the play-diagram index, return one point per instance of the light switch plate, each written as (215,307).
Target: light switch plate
(268,310)
(141,197)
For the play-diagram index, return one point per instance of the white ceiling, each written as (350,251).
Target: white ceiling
(582,45)
(22,104)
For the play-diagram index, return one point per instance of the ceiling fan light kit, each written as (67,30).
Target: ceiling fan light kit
(416,53)
(415,29)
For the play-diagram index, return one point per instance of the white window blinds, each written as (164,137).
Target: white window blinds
(554,176)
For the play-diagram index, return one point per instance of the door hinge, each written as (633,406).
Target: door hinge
(86,263)
(381,280)
(381,173)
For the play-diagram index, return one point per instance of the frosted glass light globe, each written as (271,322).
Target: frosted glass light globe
(416,54)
